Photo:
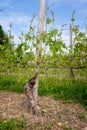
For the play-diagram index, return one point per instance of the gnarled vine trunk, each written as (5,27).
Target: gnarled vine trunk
(32,94)
(32,100)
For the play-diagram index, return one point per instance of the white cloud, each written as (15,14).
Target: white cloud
(20,23)
(18,18)
(65,37)
(15,18)
(16,39)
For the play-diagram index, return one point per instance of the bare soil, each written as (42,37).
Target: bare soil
(56,115)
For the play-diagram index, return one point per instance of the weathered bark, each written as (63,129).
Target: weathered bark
(32,103)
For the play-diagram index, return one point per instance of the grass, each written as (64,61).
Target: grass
(12,124)
(11,83)
(66,89)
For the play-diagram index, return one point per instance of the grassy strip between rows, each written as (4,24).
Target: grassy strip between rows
(66,89)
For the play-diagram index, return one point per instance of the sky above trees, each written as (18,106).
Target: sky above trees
(20,12)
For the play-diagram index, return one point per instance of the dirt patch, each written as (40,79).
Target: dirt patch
(56,115)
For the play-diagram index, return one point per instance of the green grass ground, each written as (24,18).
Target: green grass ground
(65,88)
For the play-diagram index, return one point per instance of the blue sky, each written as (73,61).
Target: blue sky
(21,12)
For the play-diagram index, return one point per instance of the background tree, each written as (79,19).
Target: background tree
(3,37)
(6,48)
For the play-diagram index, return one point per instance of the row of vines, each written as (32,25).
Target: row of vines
(54,52)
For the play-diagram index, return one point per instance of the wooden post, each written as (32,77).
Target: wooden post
(71,55)
(38,48)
